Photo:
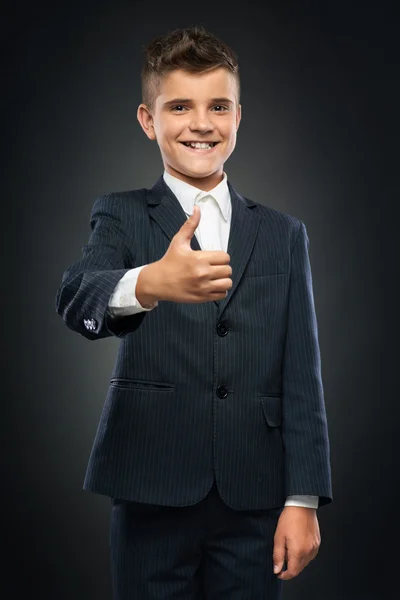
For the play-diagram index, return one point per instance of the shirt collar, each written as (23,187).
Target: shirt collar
(187,194)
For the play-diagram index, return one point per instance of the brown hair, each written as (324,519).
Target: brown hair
(191,48)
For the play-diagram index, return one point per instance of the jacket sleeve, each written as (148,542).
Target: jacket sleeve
(87,285)
(304,424)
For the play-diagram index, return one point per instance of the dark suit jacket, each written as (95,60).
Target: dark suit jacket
(229,389)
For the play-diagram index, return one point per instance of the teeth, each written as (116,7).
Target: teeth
(197,145)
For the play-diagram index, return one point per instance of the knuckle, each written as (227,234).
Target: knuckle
(290,574)
(316,545)
(296,572)
(200,272)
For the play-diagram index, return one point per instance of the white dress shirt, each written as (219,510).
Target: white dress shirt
(212,234)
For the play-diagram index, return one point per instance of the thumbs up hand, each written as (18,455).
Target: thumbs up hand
(186,275)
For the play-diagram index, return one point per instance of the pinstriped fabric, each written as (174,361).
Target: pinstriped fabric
(205,551)
(229,390)
(87,285)
(304,418)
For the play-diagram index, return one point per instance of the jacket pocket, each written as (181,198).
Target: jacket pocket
(142,384)
(272,409)
(264,267)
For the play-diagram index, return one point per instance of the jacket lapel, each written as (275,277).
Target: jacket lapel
(165,209)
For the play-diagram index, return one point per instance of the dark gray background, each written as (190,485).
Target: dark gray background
(318,139)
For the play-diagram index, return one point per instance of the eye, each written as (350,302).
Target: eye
(226,108)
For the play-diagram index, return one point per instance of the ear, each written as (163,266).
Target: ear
(146,121)
(238,116)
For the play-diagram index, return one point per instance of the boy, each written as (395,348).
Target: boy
(213,441)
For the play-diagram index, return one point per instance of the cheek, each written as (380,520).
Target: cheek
(231,138)
(229,130)
(165,129)
(171,134)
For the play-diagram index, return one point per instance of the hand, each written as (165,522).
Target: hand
(297,538)
(186,275)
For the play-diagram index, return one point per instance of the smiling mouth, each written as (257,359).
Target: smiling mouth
(190,147)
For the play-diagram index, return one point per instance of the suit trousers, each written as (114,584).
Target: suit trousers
(205,551)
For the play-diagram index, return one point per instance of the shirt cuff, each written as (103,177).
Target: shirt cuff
(123,301)
(302,500)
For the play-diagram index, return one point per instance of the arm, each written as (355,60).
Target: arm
(304,425)
(87,285)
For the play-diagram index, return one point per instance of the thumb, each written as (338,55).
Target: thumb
(278,555)
(191,224)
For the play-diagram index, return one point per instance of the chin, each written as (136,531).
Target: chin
(202,167)
(201,174)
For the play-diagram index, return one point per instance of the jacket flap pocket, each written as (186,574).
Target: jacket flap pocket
(272,408)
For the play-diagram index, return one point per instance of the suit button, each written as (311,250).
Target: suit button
(90,324)
(222,392)
(222,329)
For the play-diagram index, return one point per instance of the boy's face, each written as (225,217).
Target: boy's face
(194,107)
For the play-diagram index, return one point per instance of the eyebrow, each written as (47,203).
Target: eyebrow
(189,101)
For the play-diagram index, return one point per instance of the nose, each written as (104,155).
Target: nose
(201,122)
